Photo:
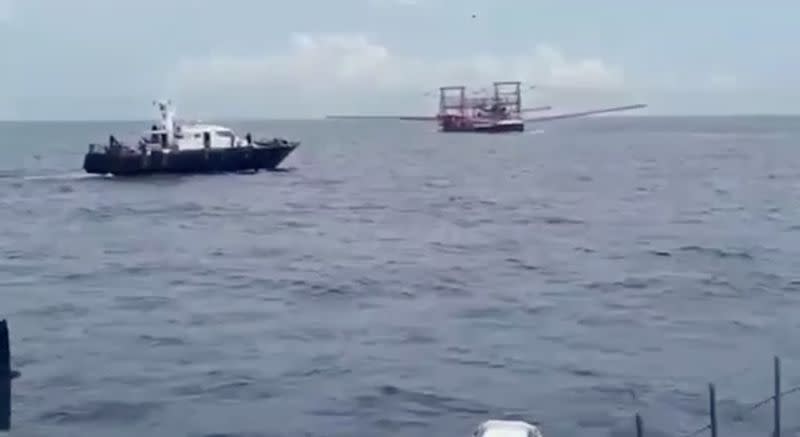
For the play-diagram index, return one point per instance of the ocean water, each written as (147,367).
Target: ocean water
(397,281)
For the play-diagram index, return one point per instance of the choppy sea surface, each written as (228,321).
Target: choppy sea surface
(397,281)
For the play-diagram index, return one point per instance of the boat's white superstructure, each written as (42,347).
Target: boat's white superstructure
(174,136)
(506,428)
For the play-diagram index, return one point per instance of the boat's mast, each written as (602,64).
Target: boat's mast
(167,119)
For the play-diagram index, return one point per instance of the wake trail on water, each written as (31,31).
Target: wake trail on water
(17,177)
(72,176)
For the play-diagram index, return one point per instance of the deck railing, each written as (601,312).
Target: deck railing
(712,425)
(7,375)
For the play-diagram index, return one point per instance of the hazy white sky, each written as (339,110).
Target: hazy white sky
(88,59)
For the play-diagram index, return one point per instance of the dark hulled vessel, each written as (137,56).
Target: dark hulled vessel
(186,148)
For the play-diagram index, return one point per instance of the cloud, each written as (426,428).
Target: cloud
(335,73)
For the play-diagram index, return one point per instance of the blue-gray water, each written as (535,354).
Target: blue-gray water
(397,281)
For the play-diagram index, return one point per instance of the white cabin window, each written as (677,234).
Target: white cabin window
(225,134)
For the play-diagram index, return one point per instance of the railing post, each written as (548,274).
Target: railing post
(712,407)
(777,404)
(5,378)
(5,351)
(639,426)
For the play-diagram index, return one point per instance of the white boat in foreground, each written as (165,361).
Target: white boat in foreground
(506,428)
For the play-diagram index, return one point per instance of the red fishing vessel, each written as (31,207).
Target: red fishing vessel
(498,112)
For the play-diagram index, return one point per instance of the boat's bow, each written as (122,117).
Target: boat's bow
(277,143)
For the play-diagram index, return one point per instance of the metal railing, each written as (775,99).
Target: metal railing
(7,375)
(712,426)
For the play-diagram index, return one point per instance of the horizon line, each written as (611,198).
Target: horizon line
(324,118)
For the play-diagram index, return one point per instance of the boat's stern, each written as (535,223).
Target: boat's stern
(96,161)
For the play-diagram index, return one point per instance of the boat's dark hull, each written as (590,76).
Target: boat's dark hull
(237,159)
(487,128)
(501,128)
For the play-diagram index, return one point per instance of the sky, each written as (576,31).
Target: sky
(108,59)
